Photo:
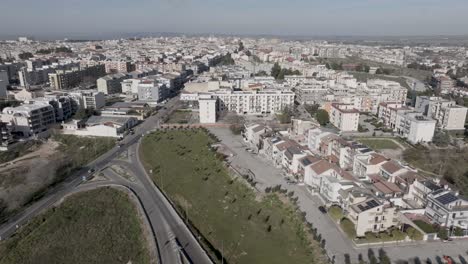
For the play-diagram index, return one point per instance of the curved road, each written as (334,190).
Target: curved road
(173,236)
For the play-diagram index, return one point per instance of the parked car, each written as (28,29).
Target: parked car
(322,209)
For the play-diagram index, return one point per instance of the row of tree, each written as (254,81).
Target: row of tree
(279,73)
(54,50)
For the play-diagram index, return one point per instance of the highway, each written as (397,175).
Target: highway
(171,234)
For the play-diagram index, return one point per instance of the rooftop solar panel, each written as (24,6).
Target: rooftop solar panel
(446,198)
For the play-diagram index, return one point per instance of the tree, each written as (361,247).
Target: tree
(383,258)
(442,233)
(441,138)
(236,123)
(457,231)
(25,55)
(322,117)
(84,113)
(285,116)
(275,70)
(312,109)
(241,46)
(371,256)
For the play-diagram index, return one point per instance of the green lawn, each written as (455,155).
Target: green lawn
(98,226)
(335,212)
(232,220)
(378,144)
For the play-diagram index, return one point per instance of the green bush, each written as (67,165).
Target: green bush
(426,227)
(348,227)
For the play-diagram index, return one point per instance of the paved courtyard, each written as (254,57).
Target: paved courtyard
(337,244)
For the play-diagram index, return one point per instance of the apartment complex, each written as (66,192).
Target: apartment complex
(111,84)
(415,127)
(207,108)
(345,117)
(67,79)
(89,99)
(29,119)
(448,114)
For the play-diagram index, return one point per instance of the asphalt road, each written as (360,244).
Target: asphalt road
(168,226)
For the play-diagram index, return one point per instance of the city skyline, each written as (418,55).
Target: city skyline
(77,19)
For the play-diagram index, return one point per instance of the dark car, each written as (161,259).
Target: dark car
(322,209)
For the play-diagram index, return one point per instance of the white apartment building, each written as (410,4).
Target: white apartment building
(449,116)
(311,94)
(151,90)
(447,209)
(207,108)
(247,102)
(29,119)
(415,127)
(89,99)
(345,117)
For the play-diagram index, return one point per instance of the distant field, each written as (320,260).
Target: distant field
(233,221)
(98,226)
(379,143)
(363,77)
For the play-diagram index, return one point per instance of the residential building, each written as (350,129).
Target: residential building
(151,90)
(67,79)
(419,190)
(111,84)
(449,116)
(371,215)
(89,99)
(253,135)
(415,127)
(29,119)
(448,209)
(267,101)
(345,117)
(207,110)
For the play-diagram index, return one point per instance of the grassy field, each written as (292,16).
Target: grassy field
(335,212)
(451,164)
(28,180)
(234,222)
(379,143)
(99,226)
(179,117)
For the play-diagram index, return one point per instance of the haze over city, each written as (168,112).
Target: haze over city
(95,19)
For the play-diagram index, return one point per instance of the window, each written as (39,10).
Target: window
(376,218)
(375,227)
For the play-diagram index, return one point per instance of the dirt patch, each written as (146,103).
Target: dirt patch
(28,174)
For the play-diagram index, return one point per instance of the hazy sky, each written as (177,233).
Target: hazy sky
(283,17)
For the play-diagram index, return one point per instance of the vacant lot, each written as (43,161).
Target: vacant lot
(236,223)
(26,178)
(451,164)
(379,143)
(99,226)
(180,117)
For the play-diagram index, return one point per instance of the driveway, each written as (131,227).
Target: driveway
(337,244)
